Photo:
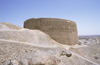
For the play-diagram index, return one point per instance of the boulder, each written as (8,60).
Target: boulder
(62,31)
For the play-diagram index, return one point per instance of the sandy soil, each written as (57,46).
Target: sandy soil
(19,46)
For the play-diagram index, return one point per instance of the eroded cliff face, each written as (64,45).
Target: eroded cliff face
(62,31)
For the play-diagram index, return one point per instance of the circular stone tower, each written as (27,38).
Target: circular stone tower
(62,31)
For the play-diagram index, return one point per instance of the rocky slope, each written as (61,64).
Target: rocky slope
(19,46)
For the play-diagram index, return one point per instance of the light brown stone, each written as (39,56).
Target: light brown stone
(62,31)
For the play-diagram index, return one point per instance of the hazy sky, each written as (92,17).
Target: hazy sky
(86,13)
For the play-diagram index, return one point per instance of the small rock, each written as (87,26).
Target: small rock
(68,53)
(21,63)
(50,62)
(13,62)
(96,57)
(79,43)
(10,63)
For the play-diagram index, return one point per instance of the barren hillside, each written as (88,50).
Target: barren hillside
(20,46)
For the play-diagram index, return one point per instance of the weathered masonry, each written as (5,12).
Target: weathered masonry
(62,31)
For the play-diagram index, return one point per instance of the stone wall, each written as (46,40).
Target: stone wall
(62,31)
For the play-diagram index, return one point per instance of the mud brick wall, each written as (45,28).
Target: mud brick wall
(62,31)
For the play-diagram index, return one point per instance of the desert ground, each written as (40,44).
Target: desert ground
(20,46)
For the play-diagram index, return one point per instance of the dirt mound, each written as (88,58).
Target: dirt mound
(7,26)
(34,37)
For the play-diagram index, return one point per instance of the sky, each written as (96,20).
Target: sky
(86,13)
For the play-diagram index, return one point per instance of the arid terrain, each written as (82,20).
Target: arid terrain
(20,46)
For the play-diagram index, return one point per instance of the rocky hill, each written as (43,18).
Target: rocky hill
(20,46)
